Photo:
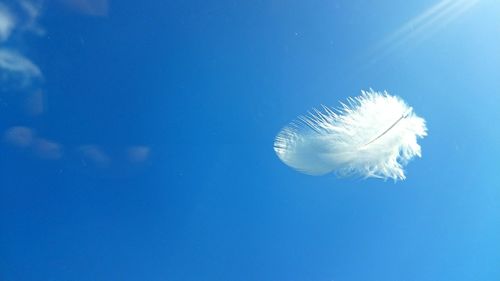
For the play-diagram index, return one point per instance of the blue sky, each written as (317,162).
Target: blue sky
(137,140)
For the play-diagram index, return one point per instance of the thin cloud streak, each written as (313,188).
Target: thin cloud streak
(48,149)
(20,17)
(94,155)
(32,10)
(19,136)
(138,154)
(35,103)
(26,138)
(7,23)
(13,62)
(89,7)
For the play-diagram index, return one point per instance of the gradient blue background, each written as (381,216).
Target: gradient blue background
(206,86)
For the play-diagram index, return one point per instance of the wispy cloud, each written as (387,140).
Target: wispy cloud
(35,103)
(13,62)
(48,149)
(89,7)
(7,23)
(138,154)
(18,17)
(94,155)
(33,12)
(19,136)
(26,138)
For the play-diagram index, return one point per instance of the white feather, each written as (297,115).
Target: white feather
(373,135)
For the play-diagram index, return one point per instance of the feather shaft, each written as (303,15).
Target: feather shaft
(385,132)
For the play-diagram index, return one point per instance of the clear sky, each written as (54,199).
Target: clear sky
(137,140)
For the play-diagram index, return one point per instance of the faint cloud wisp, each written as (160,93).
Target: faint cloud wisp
(32,11)
(26,138)
(89,7)
(18,65)
(94,155)
(14,66)
(48,149)
(7,23)
(138,154)
(19,136)
(35,103)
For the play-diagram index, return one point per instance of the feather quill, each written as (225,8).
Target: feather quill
(373,135)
